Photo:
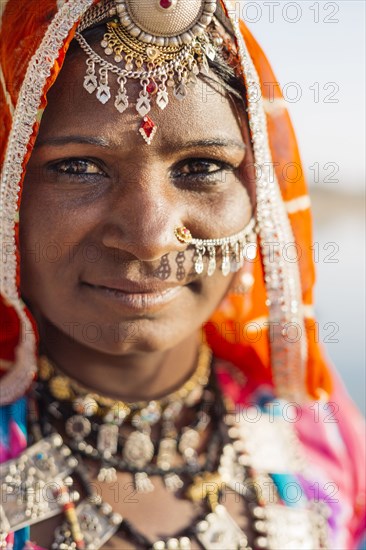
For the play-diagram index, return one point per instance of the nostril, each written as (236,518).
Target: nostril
(147,238)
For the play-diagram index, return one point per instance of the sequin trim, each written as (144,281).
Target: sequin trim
(282,278)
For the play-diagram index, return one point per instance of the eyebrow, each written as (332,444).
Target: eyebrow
(59,141)
(220,142)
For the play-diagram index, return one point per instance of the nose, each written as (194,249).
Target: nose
(142,222)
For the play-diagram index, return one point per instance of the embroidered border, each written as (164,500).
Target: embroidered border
(282,278)
(17,380)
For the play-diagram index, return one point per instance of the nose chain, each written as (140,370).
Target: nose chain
(233,250)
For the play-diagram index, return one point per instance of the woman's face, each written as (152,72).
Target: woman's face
(99,258)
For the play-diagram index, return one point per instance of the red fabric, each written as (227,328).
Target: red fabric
(9,332)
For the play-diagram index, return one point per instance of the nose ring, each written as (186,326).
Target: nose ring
(183,234)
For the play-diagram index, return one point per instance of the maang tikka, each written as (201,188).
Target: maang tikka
(161,44)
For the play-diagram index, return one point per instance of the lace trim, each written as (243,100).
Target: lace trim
(15,383)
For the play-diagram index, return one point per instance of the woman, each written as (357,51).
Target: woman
(138,140)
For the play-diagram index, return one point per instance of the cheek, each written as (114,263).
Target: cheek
(225,213)
(236,205)
(53,218)
(47,233)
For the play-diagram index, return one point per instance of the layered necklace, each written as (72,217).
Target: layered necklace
(118,434)
(189,438)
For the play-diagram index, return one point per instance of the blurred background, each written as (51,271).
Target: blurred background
(317,50)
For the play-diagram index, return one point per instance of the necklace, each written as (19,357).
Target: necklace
(65,388)
(94,425)
(244,461)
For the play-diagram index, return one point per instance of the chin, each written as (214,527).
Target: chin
(138,336)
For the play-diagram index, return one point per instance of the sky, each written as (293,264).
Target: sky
(317,50)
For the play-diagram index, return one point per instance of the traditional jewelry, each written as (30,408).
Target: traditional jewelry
(93,423)
(233,251)
(183,234)
(161,46)
(63,387)
(28,483)
(251,463)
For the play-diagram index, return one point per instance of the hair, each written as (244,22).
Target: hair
(232,82)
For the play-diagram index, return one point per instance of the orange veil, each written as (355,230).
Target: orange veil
(34,40)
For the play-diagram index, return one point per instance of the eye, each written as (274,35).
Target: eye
(201,169)
(79,168)
(200,166)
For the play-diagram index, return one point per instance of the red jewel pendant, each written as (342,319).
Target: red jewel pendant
(152,87)
(147,129)
(166,4)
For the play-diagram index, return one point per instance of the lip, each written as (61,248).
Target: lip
(130,286)
(137,296)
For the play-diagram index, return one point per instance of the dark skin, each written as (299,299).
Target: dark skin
(98,212)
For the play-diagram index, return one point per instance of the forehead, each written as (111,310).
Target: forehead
(205,113)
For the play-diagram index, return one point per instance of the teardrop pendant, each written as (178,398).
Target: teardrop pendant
(211,262)
(225,263)
(198,265)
